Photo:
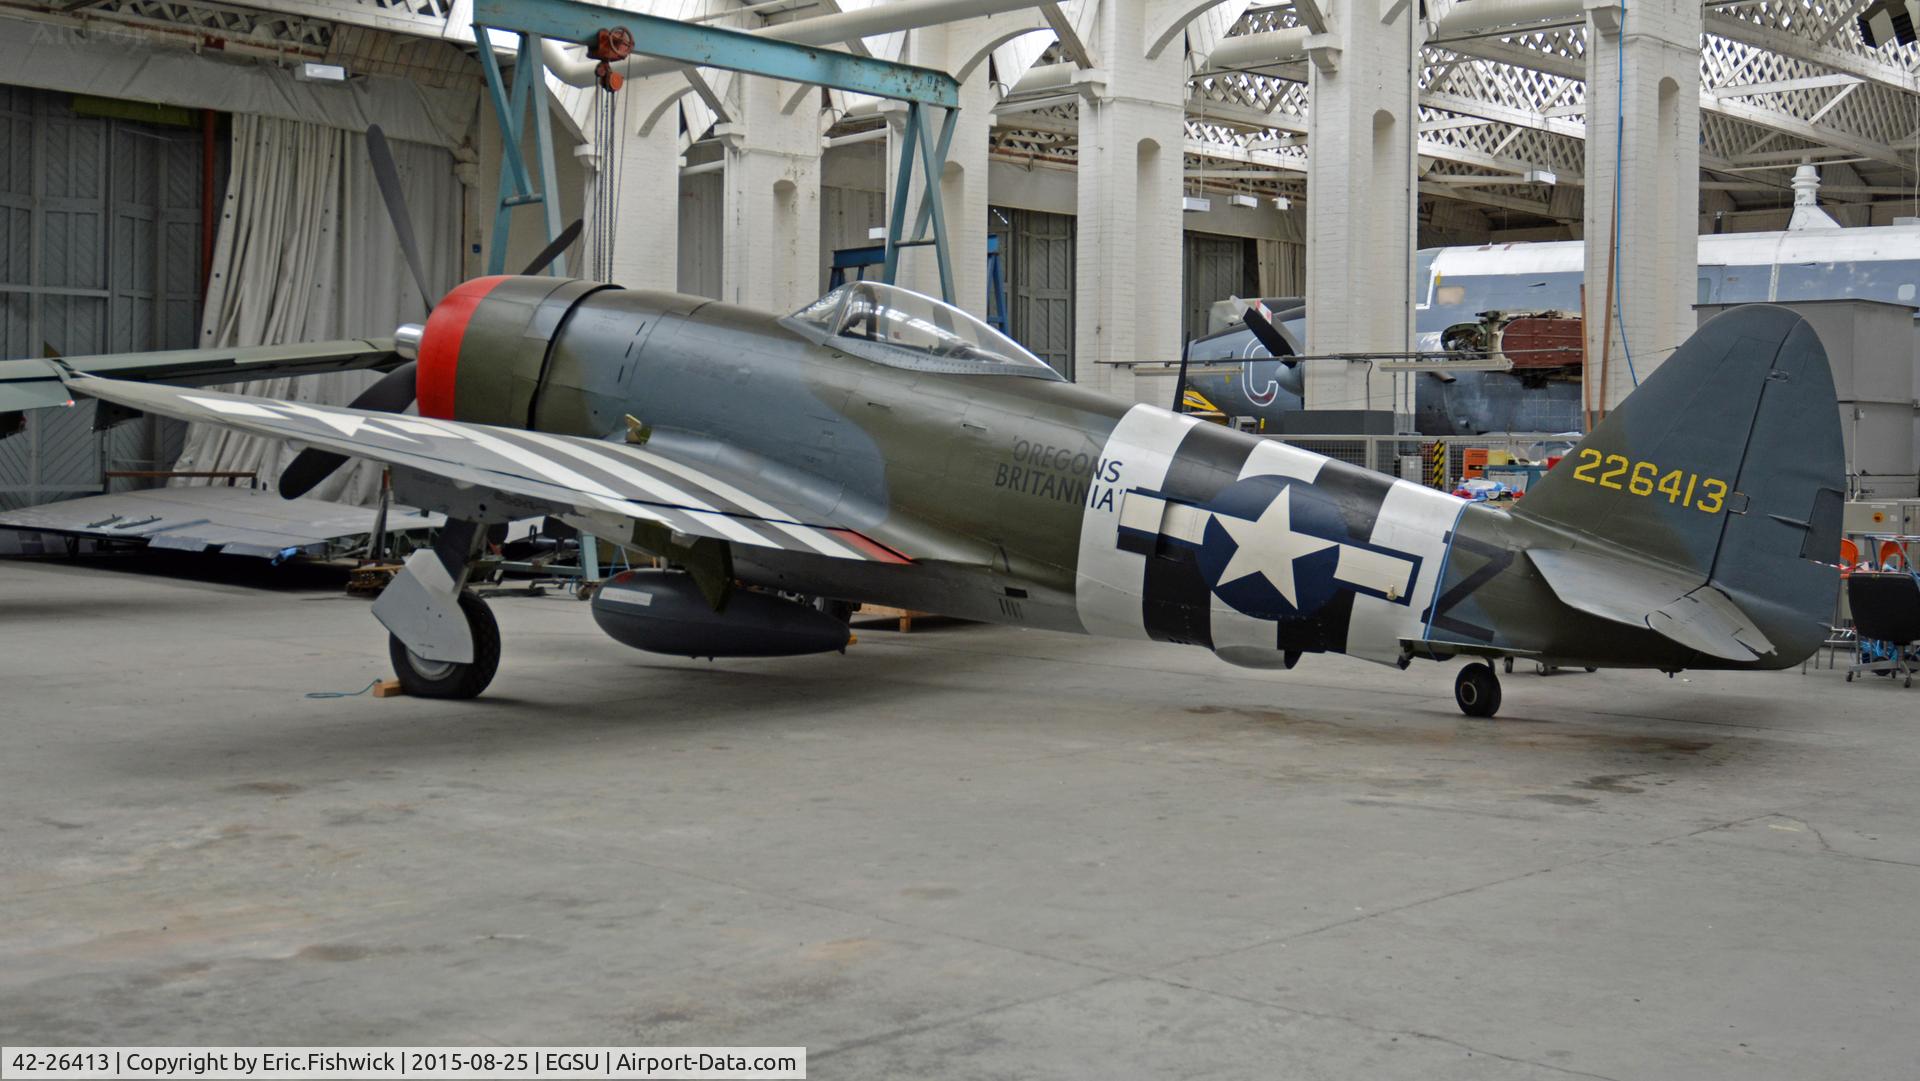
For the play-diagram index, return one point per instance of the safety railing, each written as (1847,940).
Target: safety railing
(1436,461)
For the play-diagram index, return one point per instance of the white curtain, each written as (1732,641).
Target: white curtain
(306,252)
(1283,268)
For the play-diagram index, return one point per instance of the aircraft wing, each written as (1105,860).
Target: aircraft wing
(568,476)
(35,384)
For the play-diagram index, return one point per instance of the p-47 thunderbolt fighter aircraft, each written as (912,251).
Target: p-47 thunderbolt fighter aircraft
(881,446)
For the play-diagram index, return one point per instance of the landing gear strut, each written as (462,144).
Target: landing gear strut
(443,640)
(423,678)
(1477,690)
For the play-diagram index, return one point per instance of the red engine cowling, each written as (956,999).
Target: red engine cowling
(485,346)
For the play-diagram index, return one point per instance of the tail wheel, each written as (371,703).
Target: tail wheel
(423,678)
(1477,690)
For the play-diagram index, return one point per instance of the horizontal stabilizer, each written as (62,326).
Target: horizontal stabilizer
(1708,621)
(1677,604)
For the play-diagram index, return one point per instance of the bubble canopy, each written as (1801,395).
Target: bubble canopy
(891,325)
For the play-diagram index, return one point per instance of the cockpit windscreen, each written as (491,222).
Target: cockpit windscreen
(912,330)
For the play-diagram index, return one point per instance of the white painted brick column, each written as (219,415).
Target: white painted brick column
(772,214)
(1643,133)
(1360,199)
(963,188)
(1127,247)
(646,247)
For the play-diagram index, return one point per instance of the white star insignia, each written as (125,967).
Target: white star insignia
(1268,546)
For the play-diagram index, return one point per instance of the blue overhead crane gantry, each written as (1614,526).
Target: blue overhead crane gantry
(923,89)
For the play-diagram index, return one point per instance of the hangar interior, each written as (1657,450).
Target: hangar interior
(1076,128)
(1468,232)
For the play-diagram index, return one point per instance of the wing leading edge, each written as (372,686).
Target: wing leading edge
(567,475)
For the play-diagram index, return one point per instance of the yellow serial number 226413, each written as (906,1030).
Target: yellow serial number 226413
(1616,471)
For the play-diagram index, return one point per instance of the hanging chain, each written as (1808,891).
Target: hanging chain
(609,135)
(609,121)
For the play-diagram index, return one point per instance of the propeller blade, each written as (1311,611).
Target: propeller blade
(552,251)
(387,175)
(308,469)
(1269,337)
(392,394)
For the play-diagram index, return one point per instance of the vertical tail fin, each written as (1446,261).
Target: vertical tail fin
(1726,463)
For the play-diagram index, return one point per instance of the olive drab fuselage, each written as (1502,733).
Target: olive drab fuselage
(1032,501)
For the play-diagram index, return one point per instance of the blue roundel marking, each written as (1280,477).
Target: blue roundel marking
(1255,594)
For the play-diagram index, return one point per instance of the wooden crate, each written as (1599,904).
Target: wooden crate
(906,616)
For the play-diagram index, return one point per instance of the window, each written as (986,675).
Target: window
(1462,297)
(1423,278)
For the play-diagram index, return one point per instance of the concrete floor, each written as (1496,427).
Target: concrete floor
(967,852)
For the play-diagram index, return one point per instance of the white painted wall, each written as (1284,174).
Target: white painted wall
(702,209)
(527,237)
(1056,191)
(852,199)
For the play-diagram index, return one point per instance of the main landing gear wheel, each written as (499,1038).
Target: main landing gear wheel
(423,678)
(1477,690)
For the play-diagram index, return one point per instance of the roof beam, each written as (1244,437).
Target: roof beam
(1244,116)
(1802,129)
(1201,148)
(1826,56)
(1042,123)
(1520,57)
(399,19)
(1487,110)
(1489,198)
(1811,82)
(1512,168)
(1729,106)
(1818,155)
(1310,16)
(1248,117)
(1068,37)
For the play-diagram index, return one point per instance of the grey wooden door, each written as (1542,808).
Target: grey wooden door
(1217,267)
(1040,272)
(99,252)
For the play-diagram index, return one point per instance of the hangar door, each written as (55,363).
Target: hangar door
(1217,267)
(99,253)
(1036,253)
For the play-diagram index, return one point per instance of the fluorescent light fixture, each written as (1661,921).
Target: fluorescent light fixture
(1541,176)
(1193,204)
(1242,200)
(878,232)
(1281,202)
(311,72)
